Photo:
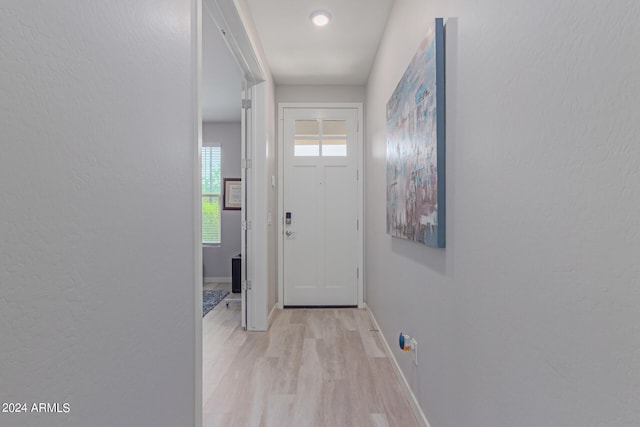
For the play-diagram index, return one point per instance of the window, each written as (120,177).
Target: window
(334,143)
(211,191)
(311,140)
(307,141)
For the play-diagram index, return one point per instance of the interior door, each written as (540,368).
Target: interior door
(320,244)
(246,239)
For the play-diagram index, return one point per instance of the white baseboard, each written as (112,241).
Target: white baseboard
(417,410)
(217,279)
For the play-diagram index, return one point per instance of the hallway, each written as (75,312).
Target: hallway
(314,367)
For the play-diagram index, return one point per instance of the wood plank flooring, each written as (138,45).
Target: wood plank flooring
(314,367)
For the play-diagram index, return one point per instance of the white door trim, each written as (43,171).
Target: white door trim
(360,203)
(257,265)
(196,75)
(247,201)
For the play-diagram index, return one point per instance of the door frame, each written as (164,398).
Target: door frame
(229,19)
(360,184)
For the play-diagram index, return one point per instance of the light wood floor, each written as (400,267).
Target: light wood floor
(314,367)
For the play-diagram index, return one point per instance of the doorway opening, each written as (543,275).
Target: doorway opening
(221,169)
(231,82)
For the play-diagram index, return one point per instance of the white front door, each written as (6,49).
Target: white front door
(320,204)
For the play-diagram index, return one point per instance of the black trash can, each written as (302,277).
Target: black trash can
(236,273)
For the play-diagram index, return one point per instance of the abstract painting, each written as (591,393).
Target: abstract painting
(415,146)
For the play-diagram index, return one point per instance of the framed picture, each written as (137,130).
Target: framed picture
(416,146)
(232,199)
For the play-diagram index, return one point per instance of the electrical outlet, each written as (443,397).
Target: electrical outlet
(414,348)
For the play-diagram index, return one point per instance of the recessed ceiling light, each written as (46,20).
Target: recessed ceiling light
(320,18)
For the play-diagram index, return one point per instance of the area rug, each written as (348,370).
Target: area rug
(211,298)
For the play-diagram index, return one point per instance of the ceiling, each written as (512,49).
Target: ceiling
(340,53)
(298,53)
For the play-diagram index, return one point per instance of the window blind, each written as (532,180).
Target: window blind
(211,191)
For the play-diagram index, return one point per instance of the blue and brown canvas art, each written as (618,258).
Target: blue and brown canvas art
(415,146)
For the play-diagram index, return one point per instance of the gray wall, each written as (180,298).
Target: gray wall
(217,259)
(320,93)
(530,316)
(97,251)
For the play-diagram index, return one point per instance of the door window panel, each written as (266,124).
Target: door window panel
(334,138)
(308,128)
(307,139)
(313,140)
(334,148)
(334,128)
(306,148)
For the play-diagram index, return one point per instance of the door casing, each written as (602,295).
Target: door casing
(360,202)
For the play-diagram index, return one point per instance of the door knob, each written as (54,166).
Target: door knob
(289,233)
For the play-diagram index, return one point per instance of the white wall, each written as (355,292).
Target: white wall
(97,251)
(320,93)
(529,317)
(217,259)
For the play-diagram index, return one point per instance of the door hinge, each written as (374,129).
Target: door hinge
(246,103)
(246,163)
(357,225)
(357,272)
(248,285)
(246,225)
